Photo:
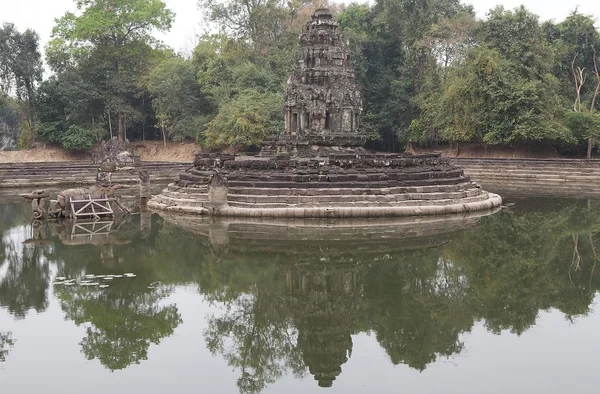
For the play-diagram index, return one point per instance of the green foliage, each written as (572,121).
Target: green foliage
(110,47)
(430,71)
(25,139)
(245,120)
(10,124)
(500,91)
(21,69)
(274,306)
(575,41)
(583,125)
(176,97)
(79,138)
(263,23)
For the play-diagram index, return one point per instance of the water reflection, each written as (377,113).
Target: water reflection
(288,297)
(6,343)
(121,322)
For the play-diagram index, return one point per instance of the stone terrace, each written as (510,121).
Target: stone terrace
(338,184)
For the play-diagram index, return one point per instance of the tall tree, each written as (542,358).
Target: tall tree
(21,68)
(176,98)
(576,42)
(392,64)
(117,33)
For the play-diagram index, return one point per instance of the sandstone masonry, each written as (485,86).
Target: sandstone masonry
(318,167)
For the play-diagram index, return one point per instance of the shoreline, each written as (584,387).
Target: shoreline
(558,177)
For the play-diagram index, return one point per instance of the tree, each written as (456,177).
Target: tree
(177,99)
(25,284)
(584,125)
(264,23)
(446,45)
(117,34)
(21,68)
(503,91)
(123,324)
(392,65)
(576,41)
(9,123)
(245,120)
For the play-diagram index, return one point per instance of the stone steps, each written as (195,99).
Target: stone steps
(186,196)
(547,177)
(353,191)
(351,184)
(174,196)
(334,199)
(182,202)
(537,177)
(360,203)
(531,172)
(190,190)
(55,174)
(259,185)
(530,168)
(464,162)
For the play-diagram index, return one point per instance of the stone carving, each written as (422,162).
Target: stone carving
(114,155)
(322,96)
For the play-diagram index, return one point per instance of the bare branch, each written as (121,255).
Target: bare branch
(579,77)
(597,75)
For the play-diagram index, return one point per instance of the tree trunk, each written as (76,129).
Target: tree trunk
(162,124)
(110,126)
(32,122)
(120,128)
(589,149)
(120,120)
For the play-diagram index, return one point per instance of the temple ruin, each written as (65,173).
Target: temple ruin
(317,166)
(322,97)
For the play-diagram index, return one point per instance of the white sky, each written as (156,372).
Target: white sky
(40,14)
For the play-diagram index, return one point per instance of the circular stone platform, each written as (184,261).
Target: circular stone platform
(344,184)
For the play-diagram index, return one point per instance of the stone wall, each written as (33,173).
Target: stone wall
(573,178)
(33,175)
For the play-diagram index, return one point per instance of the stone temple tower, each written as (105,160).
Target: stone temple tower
(322,101)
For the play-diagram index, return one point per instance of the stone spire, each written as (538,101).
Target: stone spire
(322,101)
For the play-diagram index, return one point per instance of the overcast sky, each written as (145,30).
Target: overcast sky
(40,14)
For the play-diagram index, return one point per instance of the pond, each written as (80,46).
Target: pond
(498,303)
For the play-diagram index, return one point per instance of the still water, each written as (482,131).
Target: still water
(503,303)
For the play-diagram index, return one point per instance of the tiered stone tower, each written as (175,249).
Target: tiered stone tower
(317,167)
(322,101)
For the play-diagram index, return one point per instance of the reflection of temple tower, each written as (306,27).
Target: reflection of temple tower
(325,300)
(322,97)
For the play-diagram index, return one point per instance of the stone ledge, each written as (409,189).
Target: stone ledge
(493,201)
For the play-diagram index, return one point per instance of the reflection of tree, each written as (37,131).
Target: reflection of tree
(416,308)
(25,284)
(6,343)
(122,323)
(254,332)
(518,263)
(292,305)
